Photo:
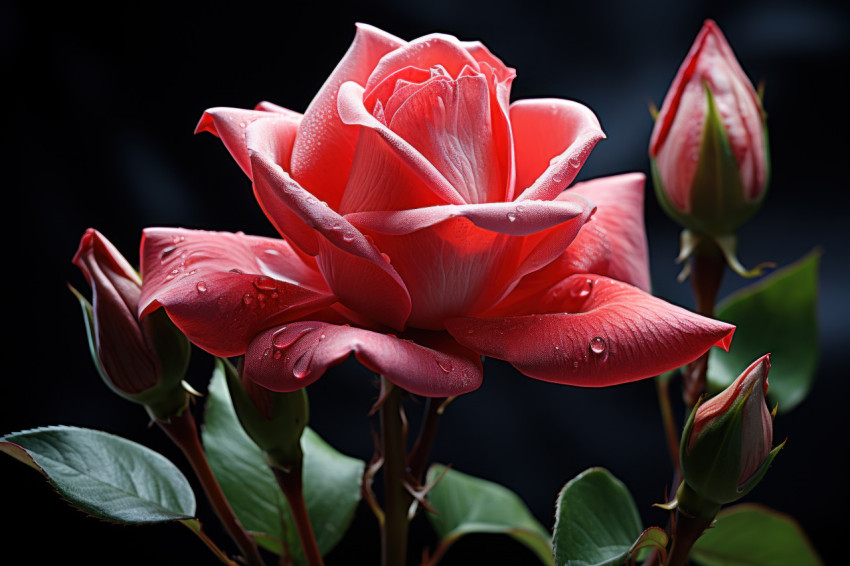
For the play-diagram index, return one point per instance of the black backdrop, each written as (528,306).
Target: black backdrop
(99,133)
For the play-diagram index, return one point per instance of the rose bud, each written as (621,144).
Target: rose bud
(709,145)
(143,361)
(274,421)
(725,449)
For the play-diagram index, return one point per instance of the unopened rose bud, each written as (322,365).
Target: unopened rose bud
(143,361)
(709,145)
(726,444)
(274,421)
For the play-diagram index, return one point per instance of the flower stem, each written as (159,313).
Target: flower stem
(397,500)
(686,531)
(707,267)
(671,431)
(292,485)
(417,461)
(219,553)
(181,429)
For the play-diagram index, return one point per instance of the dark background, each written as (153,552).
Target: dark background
(99,133)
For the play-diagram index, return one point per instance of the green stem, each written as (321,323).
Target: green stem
(397,500)
(292,485)
(671,431)
(707,267)
(181,429)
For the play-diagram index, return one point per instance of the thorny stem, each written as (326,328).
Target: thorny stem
(686,531)
(397,500)
(181,429)
(707,266)
(417,461)
(291,483)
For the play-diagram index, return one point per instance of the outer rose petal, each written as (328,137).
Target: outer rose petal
(552,140)
(231,124)
(467,256)
(222,289)
(612,243)
(293,356)
(324,146)
(606,332)
(356,272)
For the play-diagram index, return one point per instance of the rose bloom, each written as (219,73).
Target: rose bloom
(424,223)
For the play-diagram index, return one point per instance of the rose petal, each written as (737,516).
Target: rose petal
(352,111)
(600,332)
(467,256)
(221,289)
(552,140)
(324,146)
(230,124)
(612,243)
(356,272)
(294,356)
(425,52)
(450,124)
(482,54)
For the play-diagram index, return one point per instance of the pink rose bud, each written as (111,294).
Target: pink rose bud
(143,361)
(709,145)
(726,445)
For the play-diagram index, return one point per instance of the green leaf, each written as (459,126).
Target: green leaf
(105,475)
(331,480)
(776,315)
(753,535)
(596,521)
(465,504)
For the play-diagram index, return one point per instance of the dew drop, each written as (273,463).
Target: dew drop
(301,368)
(575,365)
(386,257)
(348,236)
(511,217)
(238,271)
(167,252)
(598,346)
(247,298)
(445,365)
(177,239)
(277,354)
(267,352)
(265,283)
(201,287)
(272,252)
(470,331)
(583,289)
(242,124)
(520,208)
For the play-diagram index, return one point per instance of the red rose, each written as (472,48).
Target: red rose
(425,223)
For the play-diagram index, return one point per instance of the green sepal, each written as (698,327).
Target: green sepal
(757,476)
(277,433)
(168,397)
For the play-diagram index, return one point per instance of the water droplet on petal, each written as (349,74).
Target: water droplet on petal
(201,287)
(598,345)
(277,354)
(265,283)
(348,236)
(247,298)
(575,365)
(301,368)
(167,252)
(281,340)
(267,352)
(511,217)
(520,208)
(445,365)
(470,331)
(583,289)
(177,239)
(238,271)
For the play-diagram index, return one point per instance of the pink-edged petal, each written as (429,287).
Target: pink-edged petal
(552,140)
(449,123)
(482,54)
(456,260)
(356,272)
(425,52)
(222,289)
(614,242)
(352,111)
(429,364)
(597,332)
(502,217)
(324,146)
(231,124)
